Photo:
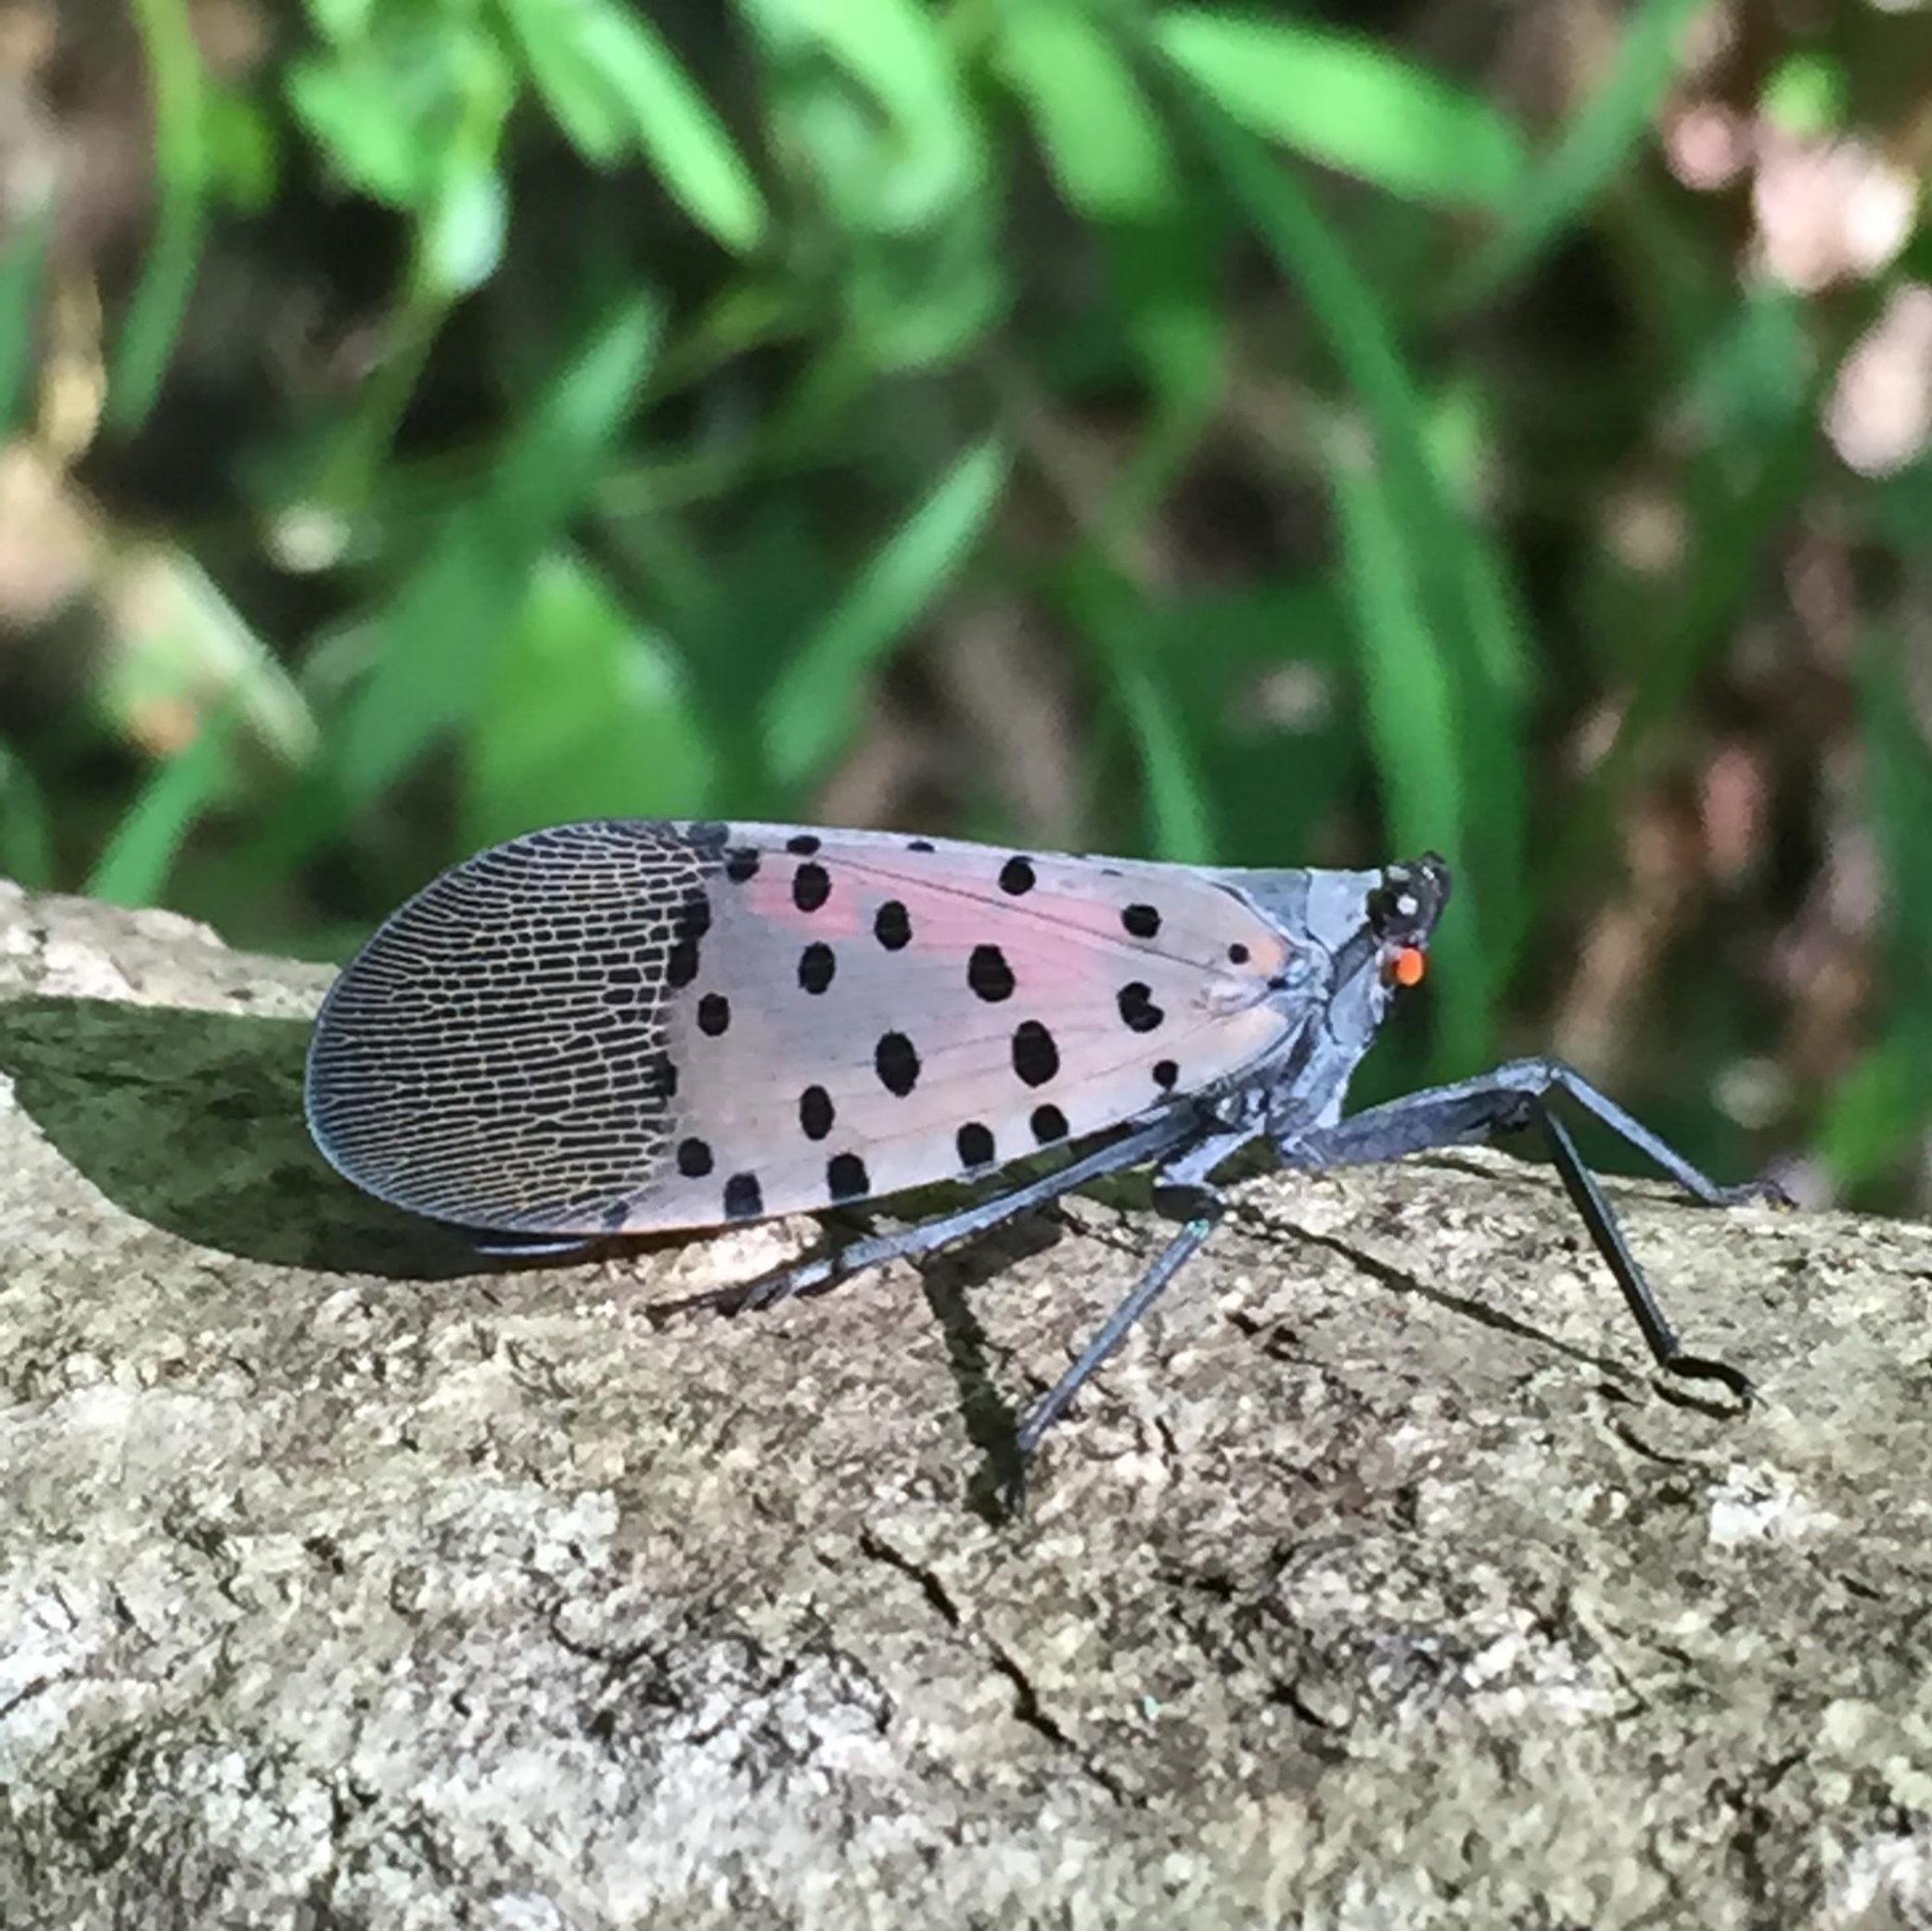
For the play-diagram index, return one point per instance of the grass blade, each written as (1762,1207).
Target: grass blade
(1108,151)
(814,704)
(1596,147)
(1455,582)
(22,273)
(1413,731)
(1350,104)
(26,835)
(160,299)
(134,867)
(435,639)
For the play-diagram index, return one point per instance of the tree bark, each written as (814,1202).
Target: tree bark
(1378,1581)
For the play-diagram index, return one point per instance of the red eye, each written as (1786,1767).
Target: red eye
(1406,967)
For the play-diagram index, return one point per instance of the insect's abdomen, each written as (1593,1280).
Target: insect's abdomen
(496,1055)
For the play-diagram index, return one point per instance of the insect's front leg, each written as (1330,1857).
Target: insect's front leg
(1517,1095)
(1508,1098)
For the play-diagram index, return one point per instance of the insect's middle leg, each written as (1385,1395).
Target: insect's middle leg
(1157,1139)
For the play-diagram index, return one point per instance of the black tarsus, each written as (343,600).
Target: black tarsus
(1587,1196)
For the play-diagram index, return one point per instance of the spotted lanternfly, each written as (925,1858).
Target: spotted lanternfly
(630,1026)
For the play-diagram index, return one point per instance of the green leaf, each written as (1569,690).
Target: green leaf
(1410,698)
(1116,615)
(461,235)
(133,868)
(437,638)
(1454,591)
(153,316)
(25,837)
(406,103)
(573,85)
(362,128)
(1177,802)
(1806,95)
(814,704)
(1107,151)
(584,717)
(243,164)
(1597,144)
(1351,104)
(607,75)
(895,48)
(1878,1107)
(22,269)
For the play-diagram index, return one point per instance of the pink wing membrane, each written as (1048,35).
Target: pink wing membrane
(908,1016)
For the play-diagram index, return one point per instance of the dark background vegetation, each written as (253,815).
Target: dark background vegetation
(1281,436)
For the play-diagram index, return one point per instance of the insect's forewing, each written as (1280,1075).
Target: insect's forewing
(631,1025)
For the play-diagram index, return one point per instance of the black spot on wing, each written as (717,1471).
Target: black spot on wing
(693,921)
(816,1113)
(811,887)
(1017,876)
(989,975)
(893,925)
(744,1198)
(974,1143)
(1035,1057)
(1048,1124)
(817,963)
(846,1178)
(897,1063)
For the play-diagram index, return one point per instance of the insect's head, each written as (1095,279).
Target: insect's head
(1363,936)
(1402,911)
(1383,946)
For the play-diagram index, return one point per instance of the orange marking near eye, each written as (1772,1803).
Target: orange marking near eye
(1408,965)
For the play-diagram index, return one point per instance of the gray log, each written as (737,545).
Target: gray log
(1378,1582)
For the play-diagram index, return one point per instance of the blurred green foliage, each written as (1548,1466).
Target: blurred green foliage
(548,408)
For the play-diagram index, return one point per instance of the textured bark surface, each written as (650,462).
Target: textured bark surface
(1377,1583)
